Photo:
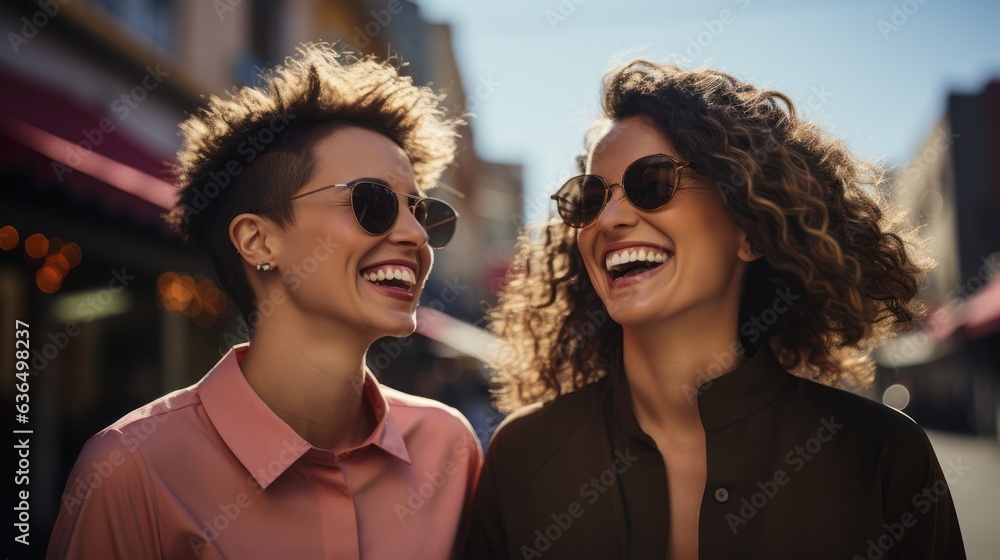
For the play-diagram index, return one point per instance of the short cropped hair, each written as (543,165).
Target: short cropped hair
(256,146)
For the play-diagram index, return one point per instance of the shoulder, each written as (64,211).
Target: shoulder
(547,425)
(140,426)
(414,411)
(171,402)
(542,436)
(434,432)
(109,473)
(884,434)
(883,421)
(113,457)
(111,491)
(133,433)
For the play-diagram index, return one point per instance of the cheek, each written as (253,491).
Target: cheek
(428,256)
(335,248)
(586,240)
(715,251)
(707,225)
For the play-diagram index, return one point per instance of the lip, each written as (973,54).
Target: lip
(397,293)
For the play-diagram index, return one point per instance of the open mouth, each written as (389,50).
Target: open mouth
(391,276)
(631,262)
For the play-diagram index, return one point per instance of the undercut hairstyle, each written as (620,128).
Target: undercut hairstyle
(816,213)
(255,146)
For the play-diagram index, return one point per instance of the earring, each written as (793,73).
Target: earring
(264,266)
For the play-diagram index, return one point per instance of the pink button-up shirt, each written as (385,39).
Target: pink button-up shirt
(211,472)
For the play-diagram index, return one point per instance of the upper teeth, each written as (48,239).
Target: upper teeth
(403,273)
(648,254)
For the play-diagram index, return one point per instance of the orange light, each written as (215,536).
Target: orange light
(52,273)
(72,253)
(195,296)
(178,295)
(48,279)
(36,246)
(8,238)
(59,261)
(214,300)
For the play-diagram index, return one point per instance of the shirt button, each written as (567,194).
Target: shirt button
(721,495)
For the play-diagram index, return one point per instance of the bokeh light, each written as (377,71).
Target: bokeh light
(57,256)
(36,246)
(58,261)
(196,297)
(49,279)
(897,396)
(72,253)
(8,238)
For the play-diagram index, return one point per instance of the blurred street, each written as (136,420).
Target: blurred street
(975,490)
(122,311)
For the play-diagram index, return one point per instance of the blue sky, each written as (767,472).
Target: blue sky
(879,86)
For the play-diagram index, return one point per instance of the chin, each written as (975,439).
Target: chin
(629,318)
(631,315)
(401,329)
(404,332)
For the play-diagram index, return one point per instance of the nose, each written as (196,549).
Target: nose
(618,212)
(407,230)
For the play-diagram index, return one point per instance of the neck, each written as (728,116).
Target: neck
(313,379)
(666,364)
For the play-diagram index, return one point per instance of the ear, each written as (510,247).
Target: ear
(746,252)
(255,239)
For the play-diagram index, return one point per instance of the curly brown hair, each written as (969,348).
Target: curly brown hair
(255,147)
(814,211)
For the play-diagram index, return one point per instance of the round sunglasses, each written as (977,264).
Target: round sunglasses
(649,184)
(376,209)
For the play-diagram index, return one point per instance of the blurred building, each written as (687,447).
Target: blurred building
(951,367)
(120,311)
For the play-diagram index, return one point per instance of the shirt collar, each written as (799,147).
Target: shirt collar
(721,401)
(263,442)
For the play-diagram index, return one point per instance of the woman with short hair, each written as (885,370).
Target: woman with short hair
(309,195)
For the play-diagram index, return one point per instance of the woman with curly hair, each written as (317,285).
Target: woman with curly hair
(673,340)
(309,195)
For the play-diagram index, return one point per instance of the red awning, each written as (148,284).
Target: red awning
(103,168)
(48,133)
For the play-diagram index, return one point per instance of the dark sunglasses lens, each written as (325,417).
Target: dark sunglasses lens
(375,207)
(649,182)
(580,200)
(439,220)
